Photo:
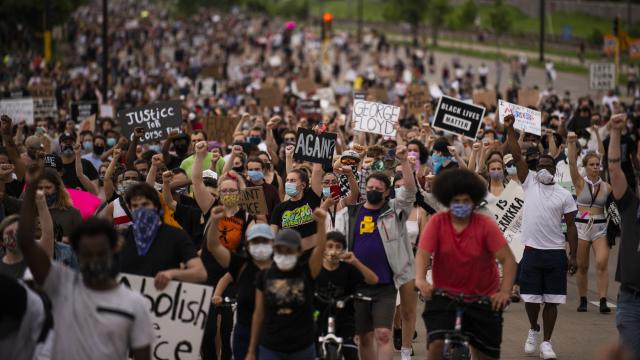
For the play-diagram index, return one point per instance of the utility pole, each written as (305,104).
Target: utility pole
(360,11)
(542,14)
(105,49)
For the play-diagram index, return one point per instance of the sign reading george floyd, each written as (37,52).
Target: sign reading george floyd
(83,109)
(252,200)
(456,116)
(315,148)
(374,117)
(158,120)
(178,313)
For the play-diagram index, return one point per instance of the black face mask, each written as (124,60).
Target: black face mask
(238,169)
(375,197)
(98,149)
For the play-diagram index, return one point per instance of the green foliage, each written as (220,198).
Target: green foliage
(463,17)
(29,13)
(596,37)
(290,9)
(500,20)
(438,12)
(410,11)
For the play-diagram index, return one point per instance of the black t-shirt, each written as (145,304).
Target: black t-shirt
(338,284)
(171,247)
(14,188)
(14,271)
(628,269)
(297,215)
(70,178)
(244,273)
(288,308)
(191,220)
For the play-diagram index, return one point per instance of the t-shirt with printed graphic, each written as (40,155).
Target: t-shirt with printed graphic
(297,215)
(368,246)
(288,308)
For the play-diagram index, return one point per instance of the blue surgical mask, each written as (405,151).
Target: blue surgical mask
(291,189)
(255,175)
(461,211)
(87,145)
(155,148)
(111,142)
(400,191)
(511,170)
(326,191)
(438,162)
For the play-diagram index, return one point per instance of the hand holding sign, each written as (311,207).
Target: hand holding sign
(162,279)
(509,120)
(138,132)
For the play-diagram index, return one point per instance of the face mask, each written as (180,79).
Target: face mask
(285,262)
(496,175)
(96,270)
(98,149)
(291,189)
(461,211)
(400,192)
(10,242)
(230,200)
(512,170)
(326,191)
(238,169)
(374,197)
(68,150)
(51,198)
(582,142)
(544,177)
(438,162)
(254,140)
(260,252)
(146,222)
(181,190)
(111,142)
(154,148)
(87,145)
(255,175)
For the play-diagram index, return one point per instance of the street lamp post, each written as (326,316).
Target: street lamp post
(105,49)
(542,14)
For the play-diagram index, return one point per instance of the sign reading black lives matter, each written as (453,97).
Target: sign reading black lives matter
(458,117)
(315,148)
(158,120)
(83,109)
(178,313)
(373,117)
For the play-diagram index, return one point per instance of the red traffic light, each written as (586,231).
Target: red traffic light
(327,17)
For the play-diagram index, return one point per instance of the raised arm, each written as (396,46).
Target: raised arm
(109,187)
(272,146)
(576,179)
(288,153)
(459,159)
(156,160)
(10,146)
(316,178)
(511,146)
(138,133)
(407,172)
(166,146)
(88,185)
(200,193)
(368,275)
(616,176)
(219,252)
(473,158)
(315,261)
(551,140)
(46,224)
(167,176)
(35,256)
(596,130)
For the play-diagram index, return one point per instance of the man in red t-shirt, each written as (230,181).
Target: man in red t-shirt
(464,246)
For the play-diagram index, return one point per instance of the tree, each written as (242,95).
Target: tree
(437,12)
(410,11)
(468,14)
(500,21)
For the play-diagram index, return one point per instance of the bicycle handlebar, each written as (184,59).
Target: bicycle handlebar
(460,297)
(329,300)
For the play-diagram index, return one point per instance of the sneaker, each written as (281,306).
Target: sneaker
(397,339)
(583,304)
(531,345)
(604,308)
(405,353)
(546,351)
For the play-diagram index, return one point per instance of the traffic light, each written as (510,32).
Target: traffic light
(616,26)
(327,18)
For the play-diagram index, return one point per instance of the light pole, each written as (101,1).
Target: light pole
(105,49)
(542,10)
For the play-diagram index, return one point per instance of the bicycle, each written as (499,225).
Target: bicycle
(330,343)
(228,302)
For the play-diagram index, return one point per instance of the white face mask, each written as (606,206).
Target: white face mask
(582,142)
(544,177)
(511,170)
(260,252)
(285,262)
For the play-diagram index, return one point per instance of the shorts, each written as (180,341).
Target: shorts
(378,313)
(543,276)
(480,323)
(592,227)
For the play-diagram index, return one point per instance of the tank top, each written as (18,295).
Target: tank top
(121,217)
(413,230)
(593,194)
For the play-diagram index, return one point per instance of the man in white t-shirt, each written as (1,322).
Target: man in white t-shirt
(544,264)
(95,317)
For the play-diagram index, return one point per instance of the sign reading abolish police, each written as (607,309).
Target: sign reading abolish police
(602,76)
(376,118)
(508,211)
(158,120)
(458,117)
(315,148)
(179,313)
(527,120)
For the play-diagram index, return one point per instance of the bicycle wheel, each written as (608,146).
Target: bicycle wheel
(331,352)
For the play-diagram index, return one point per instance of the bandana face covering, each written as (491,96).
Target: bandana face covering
(145,227)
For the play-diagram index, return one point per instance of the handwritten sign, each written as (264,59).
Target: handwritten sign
(526,119)
(45,107)
(269,96)
(486,98)
(179,313)
(315,148)
(157,119)
(306,85)
(83,109)
(18,109)
(310,109)
(602,76)
(456,116)
(373,117)
(417,97)
(252,200)
(508,211)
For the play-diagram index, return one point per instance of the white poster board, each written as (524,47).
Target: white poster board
(508,211)
(18,110)
(527,120)
(375,117)
(602,76)
(179,313)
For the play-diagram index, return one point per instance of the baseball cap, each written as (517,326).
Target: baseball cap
(53,161)
(507,158)
(66,137)
(387,139)
(289,238)
(260,231)
(351,154)
(209,174)
(34,142)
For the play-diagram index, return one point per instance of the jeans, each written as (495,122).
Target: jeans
(306,354)
(240,343)
(628,320)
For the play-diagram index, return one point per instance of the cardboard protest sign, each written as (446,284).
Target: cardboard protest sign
(378,94)
(486,98)
(252,200)
(310,109)
(602,76)
(326,94)
(178,313)
(158,120)
(417,97)
(458,117)
(82,109)
(315,148)
(206,87)
(221,128)
(527,120)
(373,117)
(269,96)
(528,97)
(45,107)
(106,111)
(18,109)
(44,90)
(215,71)
(306,85)
(508,211)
